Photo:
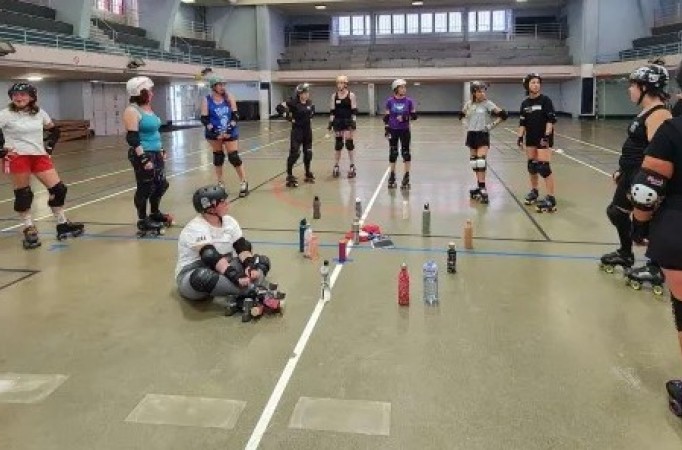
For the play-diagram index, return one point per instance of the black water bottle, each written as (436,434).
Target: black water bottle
(452,258)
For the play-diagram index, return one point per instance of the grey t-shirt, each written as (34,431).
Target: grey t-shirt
(478,115)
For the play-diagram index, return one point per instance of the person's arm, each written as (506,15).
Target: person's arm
(131,121)
(522,126)
(51,133)
(332,110)
(387,117)
(354,110)
(235,114)
(3,150)
(654,121)
(550,115)
(497,113)
(413,110)
(205,119)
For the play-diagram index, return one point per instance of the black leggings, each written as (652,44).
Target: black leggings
(300,137)
(151,184)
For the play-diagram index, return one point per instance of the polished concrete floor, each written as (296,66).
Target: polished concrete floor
(531,347)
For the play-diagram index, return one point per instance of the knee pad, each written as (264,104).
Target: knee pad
(617,216)
(543,168)
(204,280)
(392,154)
(338,144)
(307,155)
(481,164)
(532,167)
(350,145)
(405,153)
(234,159)
(23,198)
(218,159)
(57,195)
(677,312)
(473,162)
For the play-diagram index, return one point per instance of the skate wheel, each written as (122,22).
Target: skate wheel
(282,307)
(161,232)
(658,290)
(61,237)
(608,268)
(675,407)
(636,285)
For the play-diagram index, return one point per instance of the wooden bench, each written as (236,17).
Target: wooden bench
(72,130)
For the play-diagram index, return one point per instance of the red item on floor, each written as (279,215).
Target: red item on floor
(366,232)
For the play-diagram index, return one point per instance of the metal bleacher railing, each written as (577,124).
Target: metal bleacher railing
(668,14)
(47,3)
(550,31)
(25,36)
(194,30)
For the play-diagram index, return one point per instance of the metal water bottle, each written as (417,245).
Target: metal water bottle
(406,210)
(426,220)
(358,207)
(342,251)
(324,283)
(301,234)
(307,237)
(403,286)
(356,231)
(452,258)
(317,213)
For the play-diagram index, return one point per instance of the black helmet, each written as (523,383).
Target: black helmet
(528,78)
(655,77)
(23,87)
(301,88)
(476,86)
(208,197)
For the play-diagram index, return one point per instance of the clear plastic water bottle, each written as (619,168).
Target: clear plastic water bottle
(430,270)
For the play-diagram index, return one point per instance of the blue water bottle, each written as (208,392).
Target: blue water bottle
(301,234)
(430,270)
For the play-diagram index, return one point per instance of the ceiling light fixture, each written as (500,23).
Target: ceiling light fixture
(188,1)
(417,3)
(320,7)
(34,78)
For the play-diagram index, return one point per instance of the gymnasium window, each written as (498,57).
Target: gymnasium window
(500,20)
(427,23)
(440,23)
(112,6)
(384,24)
(486,20)
(398,24)
(483,21)
(344,26)
(412,23)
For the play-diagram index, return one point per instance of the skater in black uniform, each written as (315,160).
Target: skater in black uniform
(27,139)
(480,116)
(536,130)
(657,198)
(299,110)
(343,120)
(647,90)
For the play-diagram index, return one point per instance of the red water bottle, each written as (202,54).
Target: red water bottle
(403,286)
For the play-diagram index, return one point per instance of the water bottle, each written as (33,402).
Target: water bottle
(301,232)
(317,214)
(406,210)
(356,231)
(430,283)
(358,207)
(452,258)
(307,236)
(403,286)
(426,220)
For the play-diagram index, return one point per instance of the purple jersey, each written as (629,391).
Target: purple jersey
(399,107)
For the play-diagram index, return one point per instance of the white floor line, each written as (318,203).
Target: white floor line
(287,372)
(572,158)
(609,150)
(99,199)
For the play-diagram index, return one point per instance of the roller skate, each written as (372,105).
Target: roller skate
(531,197)
(479,194)
(247,306)
(674,388)
(611,260)
(149,227)
(232,307)
(270,300)
(69,229)
(391,181)
(166,219)
(335,171)
(244,189)
(31,238)
(309,178)
(649,273)
(352,173)
(292,181)
(405,184)
(547,204)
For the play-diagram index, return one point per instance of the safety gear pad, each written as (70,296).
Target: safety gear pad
(502,114)
(386,118)
(242,245)
(205,120)
(648,189)
(234,159)
(23,198)
(544,169)
(338,144)
(405,153)
(218,158)
(413,116)
(57,195)
(617,216)
(204,280)
(133,139)
(532,166)
(350,145)
(210,256)
(393,153)
(51,139)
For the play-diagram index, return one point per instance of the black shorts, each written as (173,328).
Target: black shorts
(402,135)
(342,124)
(621,197)
(533,139)
(665,239)
(477,139)
(301,137)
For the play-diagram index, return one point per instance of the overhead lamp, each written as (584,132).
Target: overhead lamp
(417,3)
(34,78)
(188,1)
(320,6)
(417,83)
(6,48)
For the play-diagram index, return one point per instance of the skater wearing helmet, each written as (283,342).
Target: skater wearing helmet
(220,117)
(648,91)
(343,120)
(26,151)
(400,111)
(657,197)
(536,130)
(147,156)
(214,258)
(480,115)
(299,110)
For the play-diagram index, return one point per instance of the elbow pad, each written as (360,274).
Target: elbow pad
(133,138)
(386,117)
(551,117)
(280,109)
(354,111)
(502,114)
(241,245)
(205,121)
(232,274)
(235,116)
(51,138)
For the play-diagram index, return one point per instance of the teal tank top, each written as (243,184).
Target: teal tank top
(150,137)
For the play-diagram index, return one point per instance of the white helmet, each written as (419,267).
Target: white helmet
(342,79)
(136,85)
(397,83)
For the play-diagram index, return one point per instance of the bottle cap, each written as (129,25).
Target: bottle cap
(451,245)
(403,265)
(426,206)
(326,262)
(317,198)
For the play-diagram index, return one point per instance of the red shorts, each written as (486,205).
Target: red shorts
(30,163)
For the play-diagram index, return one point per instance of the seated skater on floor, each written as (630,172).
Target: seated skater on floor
(207,266)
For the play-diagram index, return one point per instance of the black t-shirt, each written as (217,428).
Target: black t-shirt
(667,145)
(300,113)
(536,113)
(632,152)
(343,108)
(676,111)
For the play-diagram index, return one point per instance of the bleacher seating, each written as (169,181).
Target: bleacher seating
(27,15)
(321,55)
(664,40)
(19,35)
(202,48)
(125,34)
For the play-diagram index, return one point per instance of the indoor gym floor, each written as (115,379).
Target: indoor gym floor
(532,346)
